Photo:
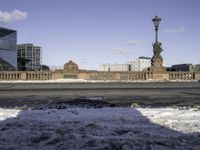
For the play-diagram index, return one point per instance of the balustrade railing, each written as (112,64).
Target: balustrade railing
(181,75)
(97,75)
(10,75)
(18,75)
(38,75)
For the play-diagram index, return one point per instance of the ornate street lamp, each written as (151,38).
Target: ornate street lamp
(157,60)
(156,21)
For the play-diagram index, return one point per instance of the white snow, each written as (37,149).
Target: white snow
(100,128)
(8,113)
(176,119)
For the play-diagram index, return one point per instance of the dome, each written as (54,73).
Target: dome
(71,66)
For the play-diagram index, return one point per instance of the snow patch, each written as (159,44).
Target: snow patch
(8,113)
(100,128)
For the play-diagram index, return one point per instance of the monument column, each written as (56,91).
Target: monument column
(159,71)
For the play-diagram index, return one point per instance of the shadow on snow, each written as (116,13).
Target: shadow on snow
(102,128)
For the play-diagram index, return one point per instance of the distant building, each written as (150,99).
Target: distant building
(114,67)
(45,68)
(182,67)
(119,67)
(29,57)
(196,67)
(139,64)
(8,52)
(104,67)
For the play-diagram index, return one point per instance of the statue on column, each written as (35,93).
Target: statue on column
(157,60)
(157,49)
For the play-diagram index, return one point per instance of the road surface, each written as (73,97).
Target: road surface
(122,94)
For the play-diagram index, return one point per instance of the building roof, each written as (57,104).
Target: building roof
(5,31)
(28,44)
(143,57)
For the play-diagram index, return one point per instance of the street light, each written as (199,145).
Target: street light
(156,21)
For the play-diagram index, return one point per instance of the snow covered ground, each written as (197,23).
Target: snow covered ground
(100,128)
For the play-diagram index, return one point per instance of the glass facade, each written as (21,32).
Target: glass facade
(8,46)
(29,57)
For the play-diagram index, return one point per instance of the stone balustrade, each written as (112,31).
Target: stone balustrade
(97,75)
(19,75)
(181,75)
(10,75)
(38,75)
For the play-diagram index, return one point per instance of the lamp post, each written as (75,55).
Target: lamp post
(156,21)
(157,60)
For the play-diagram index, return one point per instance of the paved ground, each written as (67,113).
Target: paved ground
(121,94)
(105,128)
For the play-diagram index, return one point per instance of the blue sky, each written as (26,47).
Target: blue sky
(92,32)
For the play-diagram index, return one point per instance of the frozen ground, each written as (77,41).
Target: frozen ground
(100,128)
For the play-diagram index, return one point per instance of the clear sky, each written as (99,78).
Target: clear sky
(92,32)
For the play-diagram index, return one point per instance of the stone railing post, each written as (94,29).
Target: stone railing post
(197,76)
(23,76)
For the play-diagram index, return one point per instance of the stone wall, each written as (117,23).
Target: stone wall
(98,75)
(23,75)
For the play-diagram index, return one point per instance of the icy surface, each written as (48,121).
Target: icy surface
(101,128)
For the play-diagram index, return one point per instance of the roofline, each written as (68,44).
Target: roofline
(8,29)
(28,44)
(24,44)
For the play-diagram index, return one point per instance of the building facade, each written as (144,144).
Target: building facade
(182,67)
(114,67)
(139,64)
(185,67)
(29,57)
(196,67)
(8,52)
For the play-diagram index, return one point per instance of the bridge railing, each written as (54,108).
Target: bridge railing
(38,75)
(181,75)
(10,75)
(100,75)
(97,75)
(19,75)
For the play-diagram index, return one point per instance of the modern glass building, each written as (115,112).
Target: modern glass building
(29,57)
(8,49)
